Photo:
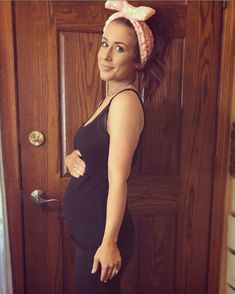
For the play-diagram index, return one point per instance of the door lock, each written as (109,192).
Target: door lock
(36,138)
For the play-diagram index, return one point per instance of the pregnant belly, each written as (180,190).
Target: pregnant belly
(84,202)
(84,209)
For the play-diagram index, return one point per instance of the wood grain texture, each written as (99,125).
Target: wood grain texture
(35,41)
(10,145)
(221,195)
(198,126)
(161,150)
(157,237)
(152,196)
(81,87)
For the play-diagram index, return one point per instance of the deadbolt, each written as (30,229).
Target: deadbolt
(36,138)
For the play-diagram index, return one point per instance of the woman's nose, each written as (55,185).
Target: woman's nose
(107,54)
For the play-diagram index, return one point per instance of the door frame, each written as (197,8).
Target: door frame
(216,266)
(11,145)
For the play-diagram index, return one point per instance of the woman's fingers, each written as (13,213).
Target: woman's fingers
(109,272)
(75,174)
(76,165)
(77,152)
(110,260)
(77,171)
(78,160)
(104,273)
(115,270)
(95,265)
(113,273)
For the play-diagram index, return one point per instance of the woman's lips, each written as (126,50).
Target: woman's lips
(106,68)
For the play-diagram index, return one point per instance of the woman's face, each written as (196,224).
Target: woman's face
(117,54)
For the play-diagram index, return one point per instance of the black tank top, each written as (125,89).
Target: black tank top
(85,198)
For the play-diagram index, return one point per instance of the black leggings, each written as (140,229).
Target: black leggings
(88,283)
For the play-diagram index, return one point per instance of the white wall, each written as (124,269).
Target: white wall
(5,265)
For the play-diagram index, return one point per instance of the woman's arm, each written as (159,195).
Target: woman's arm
(125,125)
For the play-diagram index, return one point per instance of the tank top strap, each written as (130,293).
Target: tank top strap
(126,90)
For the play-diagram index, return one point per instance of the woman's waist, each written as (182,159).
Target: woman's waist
(96,164)
(89,179)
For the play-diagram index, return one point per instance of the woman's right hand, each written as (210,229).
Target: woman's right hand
(75,164)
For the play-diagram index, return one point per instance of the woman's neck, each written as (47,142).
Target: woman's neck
(115,87)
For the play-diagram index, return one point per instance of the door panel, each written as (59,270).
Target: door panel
(170,188)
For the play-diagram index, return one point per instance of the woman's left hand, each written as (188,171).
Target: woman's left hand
(109,256)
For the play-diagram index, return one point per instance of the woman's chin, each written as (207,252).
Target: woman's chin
(105,77)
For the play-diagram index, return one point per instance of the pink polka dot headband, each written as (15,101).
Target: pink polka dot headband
(137,16)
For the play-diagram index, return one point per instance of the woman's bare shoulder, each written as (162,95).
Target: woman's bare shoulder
(126,98)
(127,106)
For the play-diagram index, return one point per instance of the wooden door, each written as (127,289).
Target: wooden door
(170,189)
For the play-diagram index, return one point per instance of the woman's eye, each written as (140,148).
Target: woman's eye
(104,44)
(119,49)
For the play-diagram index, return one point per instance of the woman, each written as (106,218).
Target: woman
(95,199)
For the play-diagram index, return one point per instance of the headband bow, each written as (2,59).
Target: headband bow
(140,13)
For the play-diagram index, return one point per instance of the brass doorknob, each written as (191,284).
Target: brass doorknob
(36,138)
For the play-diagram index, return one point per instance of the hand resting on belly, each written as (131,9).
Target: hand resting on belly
(75,164)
